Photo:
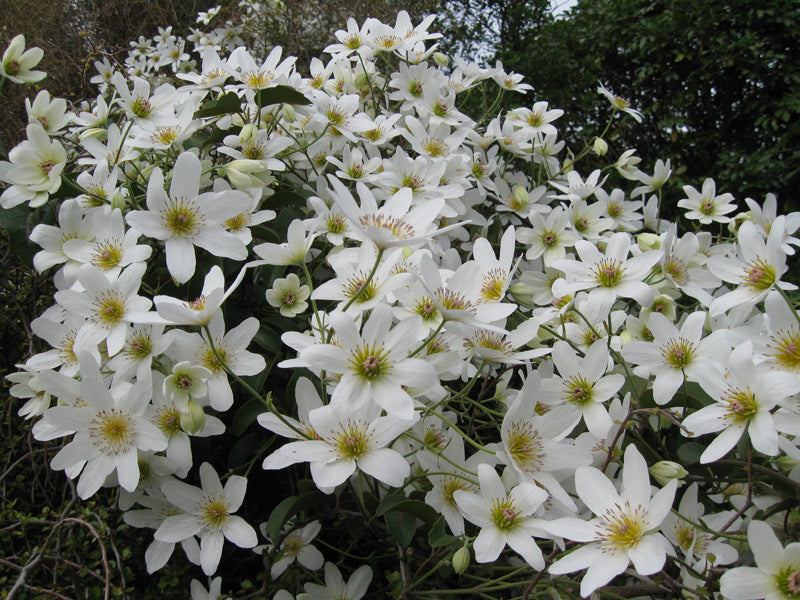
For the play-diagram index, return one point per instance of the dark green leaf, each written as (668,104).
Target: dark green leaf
(280,94)
(226,104)
(246,414)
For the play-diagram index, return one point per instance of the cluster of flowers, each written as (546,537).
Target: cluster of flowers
(449,284)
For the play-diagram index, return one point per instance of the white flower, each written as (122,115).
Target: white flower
(107,305)
(288,295)
(759,269)
(335,588)
(293,252)
(347,440)
(185,218)
(18,62)
(297,546)
(776,575)
(583,385)
(208,513)
(374,365)
(618,103)
(743,397)
(34,171)
(707,206)
(110,429)
(504,517)
(624,529)
(608,275)
(674,356)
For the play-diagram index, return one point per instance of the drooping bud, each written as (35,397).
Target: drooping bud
(441,59)
(665,471)
(600,147)
(194,419)
(461,560)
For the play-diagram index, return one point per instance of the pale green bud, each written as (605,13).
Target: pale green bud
(248,134)
(523,294)
(600,147)
(119,201)
(93,132)
(461,560)
(244,173)
(648,241)
(288,113)
(521,196)
(441,59)
(362,80)
(194,419)
(665,471)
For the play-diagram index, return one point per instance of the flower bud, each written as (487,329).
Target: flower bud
(244,173)
(600,147)
(665,471)
(288,113)
(248,134)
(521,196)
(665,305)
(523,294)
(93,132)
(119,201)
(461,560)
(194,419)
(648,241)
(362,80)
(441,59)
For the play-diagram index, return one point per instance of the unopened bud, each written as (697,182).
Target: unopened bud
(97,133)
(461,560)
(441,59)
(362,80)
(248,134)
(245,173)
(600,147)
(523,294)
(521,196)
(665,471)
(119,201)
(648,241)
(194,419)
(288,112)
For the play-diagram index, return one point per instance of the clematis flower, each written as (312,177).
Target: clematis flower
(743,397)
(374,365)
(347,440)
(624,530)
(759,269)
(110,428)
(18,62)
(207,513)
(335,588)
(776,575)
(675,355)
(607,276)
(184,218)
(504,517)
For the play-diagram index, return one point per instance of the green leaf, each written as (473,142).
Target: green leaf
(15,222)
(268,340)
(282,199)
(438,535)
(246,414)
(280,94)
(402,526)
(226,104)
(690,452)
(289,508)
(399,503)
